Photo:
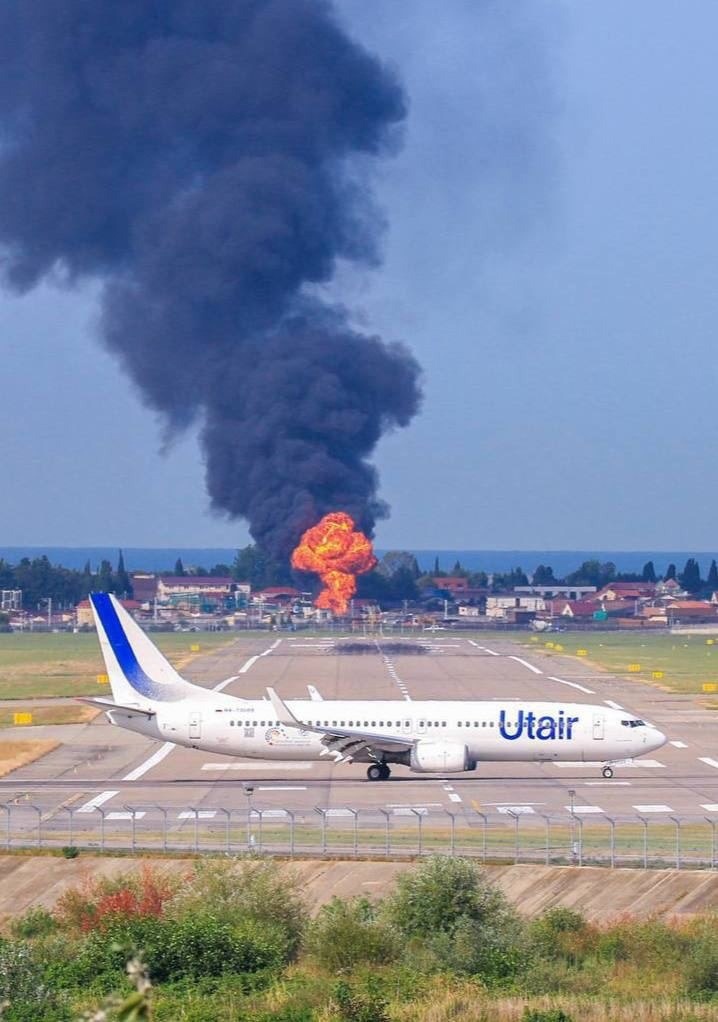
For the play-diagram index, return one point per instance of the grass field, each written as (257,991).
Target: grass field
(44,665)
(58,713)
(14,754)
(687,662)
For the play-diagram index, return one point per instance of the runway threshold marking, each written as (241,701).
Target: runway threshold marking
(583,810)
(572,684)
(679,745)
(710,807)
(708,761)
(98,800)
(525,663)
(653,809)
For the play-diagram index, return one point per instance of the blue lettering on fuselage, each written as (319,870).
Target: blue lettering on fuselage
(543,728)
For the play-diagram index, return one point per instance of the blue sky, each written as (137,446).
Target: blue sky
(550,258)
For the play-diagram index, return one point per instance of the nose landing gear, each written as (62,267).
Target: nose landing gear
(607,772)
(378,772)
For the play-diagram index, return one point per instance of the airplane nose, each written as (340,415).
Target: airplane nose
(656,738)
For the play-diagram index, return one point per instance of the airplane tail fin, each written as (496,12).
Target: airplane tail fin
(139,674)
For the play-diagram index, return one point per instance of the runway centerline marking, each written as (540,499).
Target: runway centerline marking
(282,787)
(526,664)
(484,649)
(614,706)
(573,684)
(679,745)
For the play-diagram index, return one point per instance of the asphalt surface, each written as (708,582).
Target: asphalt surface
(102,765)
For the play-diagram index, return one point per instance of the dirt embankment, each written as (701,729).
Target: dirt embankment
(600,894)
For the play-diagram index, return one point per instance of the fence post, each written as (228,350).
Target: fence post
(486,823)
(579,821)
(515,818)
(387,846)
(6,807)
(644,821)
(290,814)
(164,825)
(131,811)
(228,816)
(101,811)
(612,825)
(71,812)
(355,814)
(677,822)
(547,821)
(713,840)
(452,846)
(323,816)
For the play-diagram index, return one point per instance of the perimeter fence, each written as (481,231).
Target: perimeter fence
(645,841)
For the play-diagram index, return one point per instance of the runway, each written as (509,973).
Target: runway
(101,766)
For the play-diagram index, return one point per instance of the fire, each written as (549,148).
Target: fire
(336,551)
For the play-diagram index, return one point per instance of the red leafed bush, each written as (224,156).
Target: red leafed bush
(95,903)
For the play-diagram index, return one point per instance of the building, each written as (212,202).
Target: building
(10,600)
(201,593)
(516,609)
(83,612)
(144,586)
(555,590)
(627,591)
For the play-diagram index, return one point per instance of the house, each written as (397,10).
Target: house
(556,589)
(83,612)
(693,611)
(582,610)
(144,586)
(451,584)
(200,592)
(627,591)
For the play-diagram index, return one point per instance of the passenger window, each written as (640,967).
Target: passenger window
(460,724)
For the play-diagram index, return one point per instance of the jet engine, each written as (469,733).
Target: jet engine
(439,757)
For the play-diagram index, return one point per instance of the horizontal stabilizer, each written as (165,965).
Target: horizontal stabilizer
(107,704)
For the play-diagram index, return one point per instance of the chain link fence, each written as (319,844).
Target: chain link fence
(661,841)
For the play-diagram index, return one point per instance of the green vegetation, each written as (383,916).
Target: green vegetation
(233,940)
(42,664)
(686,661)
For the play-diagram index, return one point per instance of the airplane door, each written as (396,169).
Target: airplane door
(195,725)
(598,725)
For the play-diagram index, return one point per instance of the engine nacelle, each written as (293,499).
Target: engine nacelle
(439,757)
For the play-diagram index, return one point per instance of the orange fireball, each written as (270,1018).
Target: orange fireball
(337,552)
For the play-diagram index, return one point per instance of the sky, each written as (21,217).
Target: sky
(549,257)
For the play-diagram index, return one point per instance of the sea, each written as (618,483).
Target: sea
(561,561)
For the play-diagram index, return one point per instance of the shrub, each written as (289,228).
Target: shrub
(702,969)
(564,934)
(36,922)
(23,985)
(96,902)
(253,889)
(442,892)
(545,1015)
(354,1006)
(346,933)
(70,852)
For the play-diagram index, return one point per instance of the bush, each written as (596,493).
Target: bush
(441,893)
(562,934)
(36,922)
(359,1007)
(70,851)
(346,933)
(23,985)
(702,969)
(96,902)
(545,1015)
(252,889)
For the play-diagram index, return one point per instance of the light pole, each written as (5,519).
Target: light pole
(249,791)
(572,798)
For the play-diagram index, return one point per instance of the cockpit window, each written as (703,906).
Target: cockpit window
(633,723)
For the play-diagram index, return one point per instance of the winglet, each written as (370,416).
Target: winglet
(314,695)
(282,712)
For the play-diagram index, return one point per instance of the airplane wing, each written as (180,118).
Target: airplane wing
(342,743)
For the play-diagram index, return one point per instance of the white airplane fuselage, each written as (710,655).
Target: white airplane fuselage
(500,730)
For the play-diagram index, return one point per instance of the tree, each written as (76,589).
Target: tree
(179,568)
(690,578)
(593,573)
(437,569)
(398,560)
(649,572)
(670,573)
(712,580)
(254,565)
(105,580)
(543,576)
(123,585)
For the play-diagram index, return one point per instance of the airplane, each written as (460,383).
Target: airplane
(428,737)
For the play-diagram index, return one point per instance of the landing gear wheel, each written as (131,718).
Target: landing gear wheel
(607,772)
(385,772)
(375,772)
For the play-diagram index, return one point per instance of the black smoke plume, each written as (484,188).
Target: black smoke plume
(206,160)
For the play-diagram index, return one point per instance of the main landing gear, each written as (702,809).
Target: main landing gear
(607,772)
(378,772)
